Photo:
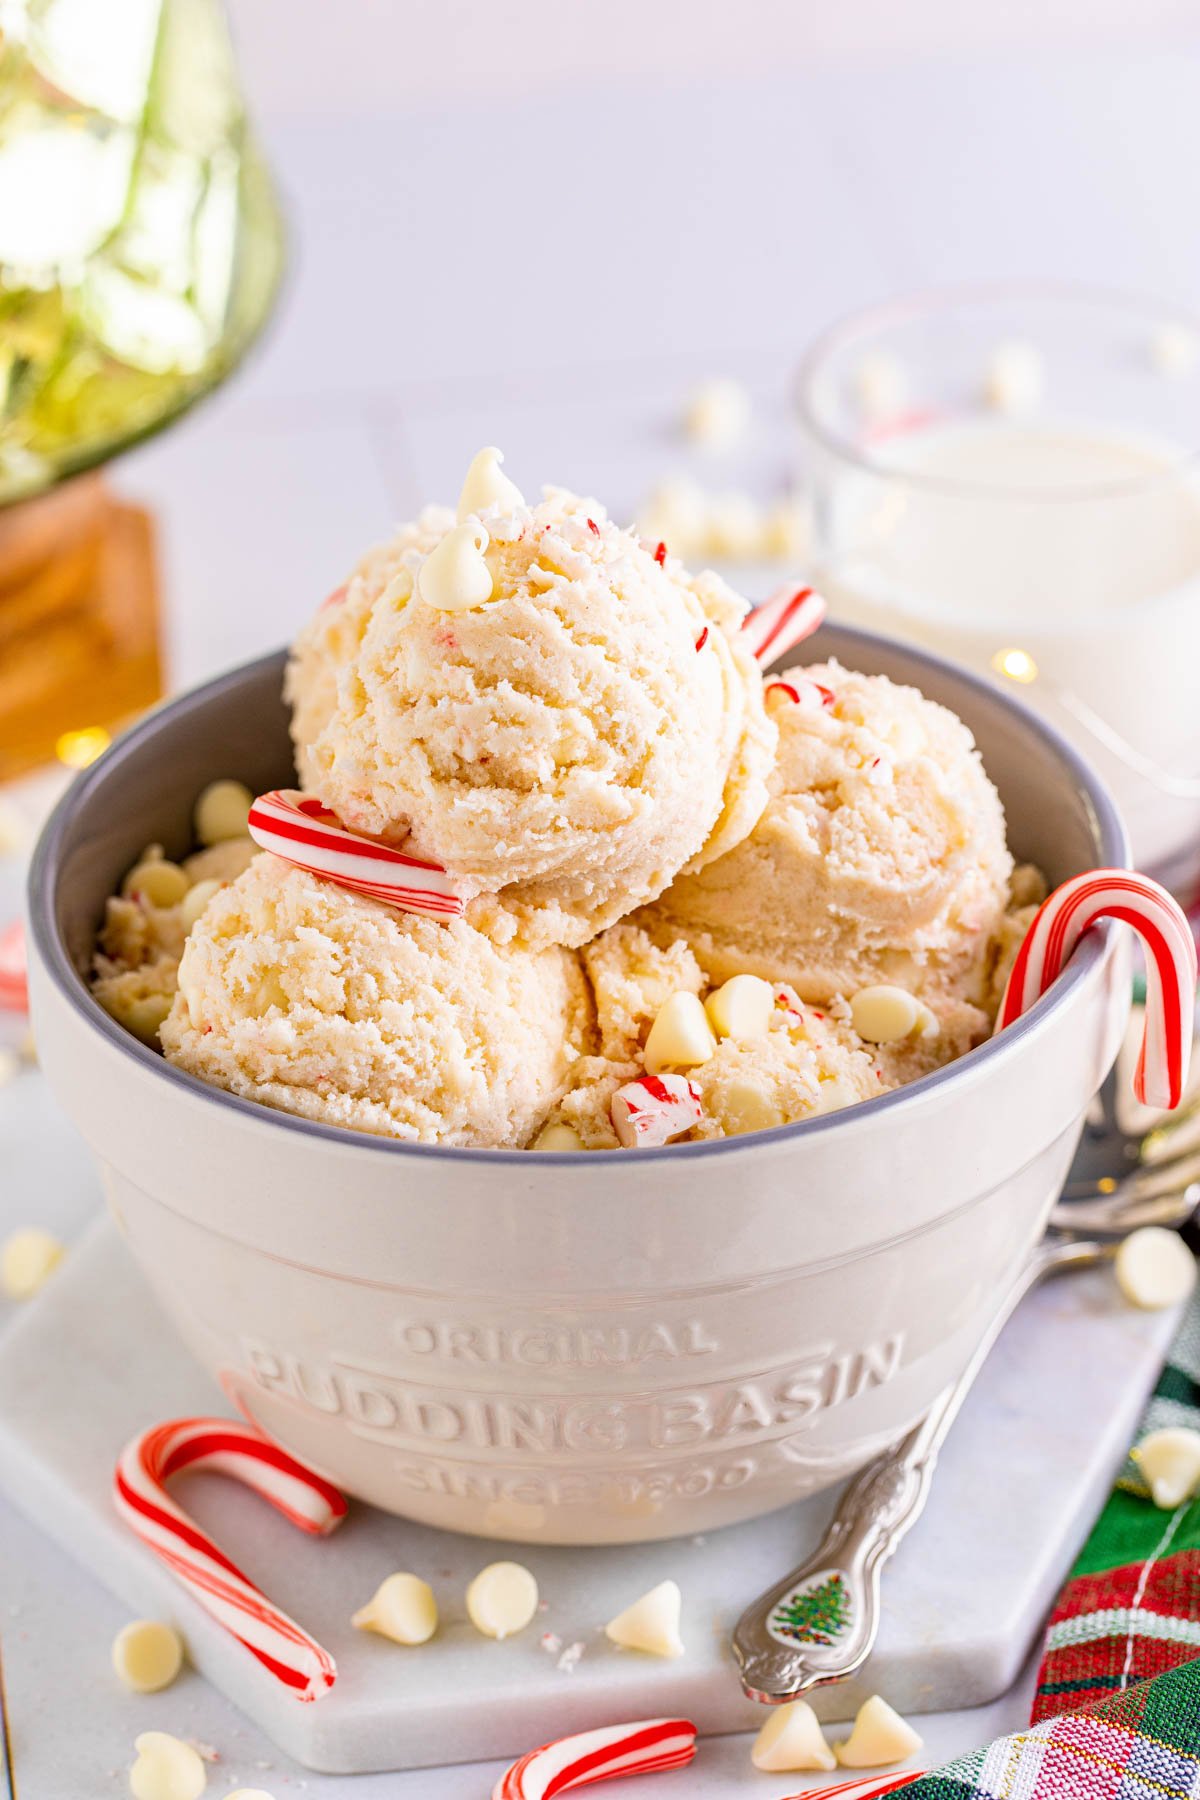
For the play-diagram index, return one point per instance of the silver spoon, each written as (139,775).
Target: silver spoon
(780,1657)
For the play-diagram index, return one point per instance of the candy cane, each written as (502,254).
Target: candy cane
(14,989)
(1076,907)
(304,832)
(226,1445)
(590,1756)
(864,1787)
(802,692)
(651,1111)
(782,622)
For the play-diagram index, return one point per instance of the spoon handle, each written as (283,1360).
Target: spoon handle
(819,1624)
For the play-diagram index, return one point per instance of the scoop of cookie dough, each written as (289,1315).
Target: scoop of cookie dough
(301,995)
(541,703)
(880,856)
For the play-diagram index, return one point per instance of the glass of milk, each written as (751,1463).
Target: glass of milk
(1010,474)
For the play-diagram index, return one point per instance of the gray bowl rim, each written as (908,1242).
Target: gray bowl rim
(45,871)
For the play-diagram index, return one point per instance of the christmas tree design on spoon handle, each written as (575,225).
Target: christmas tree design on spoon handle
(817,1613)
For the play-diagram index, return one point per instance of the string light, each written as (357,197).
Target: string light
(79,748)
(1018,665)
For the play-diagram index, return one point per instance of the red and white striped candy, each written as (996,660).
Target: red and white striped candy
(304,832)
(802,692)
(651,1111)
(782,622)
(864,1787)
(14,988)
(589,1756)
(226,1445)
(1076,907)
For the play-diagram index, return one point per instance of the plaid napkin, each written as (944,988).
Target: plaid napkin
(1117,1713)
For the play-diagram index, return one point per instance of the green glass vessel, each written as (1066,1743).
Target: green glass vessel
(141,243)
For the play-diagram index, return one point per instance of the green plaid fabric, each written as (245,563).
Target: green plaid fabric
(1117,1713)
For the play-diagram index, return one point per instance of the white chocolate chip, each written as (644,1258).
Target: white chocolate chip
(884,1014)
(881,384)
(147,1655)
(402,1608)
(454,576)
(734,528)
(1169,1463)
(1015,378)
(222,812)
(158,883)
(1155,1268)
(792,1739)
(787,530)
(680,1037)
(879,1736)
(166,1769)
(741,1105)
(651,1624)
(718,413)
(741,1008)
(502,1599)
(196,899)
(558,1136)
(676,514)
(486,487)
(142,1014)
(1174,350)
(27,1259)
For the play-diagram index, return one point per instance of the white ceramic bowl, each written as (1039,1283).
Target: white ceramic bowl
(574,1349)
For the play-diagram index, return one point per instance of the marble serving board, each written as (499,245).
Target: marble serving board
(1027,1466)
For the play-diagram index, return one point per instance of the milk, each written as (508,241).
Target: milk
(1063,553)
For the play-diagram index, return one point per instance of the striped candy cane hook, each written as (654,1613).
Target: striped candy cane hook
(573,1762)
(782,622)
(302,831)
(231,1448)
(864,1787)
(1060,922)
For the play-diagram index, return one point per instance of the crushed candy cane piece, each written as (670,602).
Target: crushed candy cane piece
(801,692)
(652,1111)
